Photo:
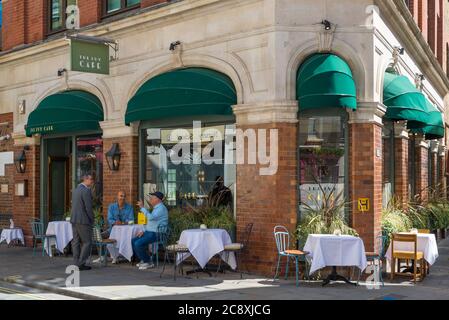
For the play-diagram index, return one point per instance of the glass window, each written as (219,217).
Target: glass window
(89,159)
(179,168)
(0,13)
(388,162)
(321,156)
(58,14)
(113,6)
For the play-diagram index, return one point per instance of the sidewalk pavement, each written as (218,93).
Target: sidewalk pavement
(123,281)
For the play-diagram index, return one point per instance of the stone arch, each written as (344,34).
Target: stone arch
(339,48)
(191,60)
(100,91)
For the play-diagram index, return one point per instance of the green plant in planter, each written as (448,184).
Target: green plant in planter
(98,217)
(323,215)
(394,219)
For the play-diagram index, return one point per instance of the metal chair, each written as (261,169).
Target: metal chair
(97,240)
(37,227)
(282,237)
(162,238)
(238,249)
(378,256)
(175,249)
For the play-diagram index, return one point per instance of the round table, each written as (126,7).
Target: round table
(9,235)
(205,244)
(63,232)
(123,234)
(335,251)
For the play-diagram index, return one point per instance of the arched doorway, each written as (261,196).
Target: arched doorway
(71,145)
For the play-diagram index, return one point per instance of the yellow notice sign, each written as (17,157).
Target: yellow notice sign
(363,204)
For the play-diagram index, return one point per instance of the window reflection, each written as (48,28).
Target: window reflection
(191,181)
(321,157)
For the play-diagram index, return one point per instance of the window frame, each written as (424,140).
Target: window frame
(123,8)
(51,31)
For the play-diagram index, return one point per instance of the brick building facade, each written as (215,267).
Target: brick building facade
(259,46)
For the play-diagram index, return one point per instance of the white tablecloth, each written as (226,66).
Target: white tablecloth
(426,243)
(123,234)
(9,235)
(204,244)
(330,250)
(63,232)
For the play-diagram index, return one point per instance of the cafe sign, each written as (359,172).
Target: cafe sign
(89,56)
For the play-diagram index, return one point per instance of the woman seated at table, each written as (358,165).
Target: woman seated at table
(155,218)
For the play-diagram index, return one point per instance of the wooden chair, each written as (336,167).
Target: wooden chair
(414,255)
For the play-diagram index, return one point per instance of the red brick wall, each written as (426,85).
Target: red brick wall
(27,207)
(268,201)
(434,173)
(441,174)
(401,169)
(90,11)
(423,18)
(13,25)
(126,178)
(35,20)
(8,178)
(365,172)
(433,11)
(421,168)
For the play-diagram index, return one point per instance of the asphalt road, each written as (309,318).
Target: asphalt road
(9,291)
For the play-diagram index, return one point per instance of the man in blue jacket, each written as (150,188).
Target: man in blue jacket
(157,217)
(120,212)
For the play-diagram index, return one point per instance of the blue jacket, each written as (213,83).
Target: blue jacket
(115,214)
(156,218)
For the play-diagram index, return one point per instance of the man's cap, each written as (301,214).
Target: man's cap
(158,194)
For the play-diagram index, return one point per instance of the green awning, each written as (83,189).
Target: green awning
(403,100)
(68,111)
(434,128)
(183,92)
(325,80)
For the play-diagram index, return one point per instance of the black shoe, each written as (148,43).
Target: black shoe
(84,267)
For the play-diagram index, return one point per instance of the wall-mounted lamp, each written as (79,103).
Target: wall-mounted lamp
(61,71)
(174,44)
(113,157)
(20,160)
(327,25)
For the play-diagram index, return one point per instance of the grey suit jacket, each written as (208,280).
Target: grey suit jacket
(82,212)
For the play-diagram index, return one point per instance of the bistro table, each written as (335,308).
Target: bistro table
(11,235)
(426,243)
(333,250)
(123,234)
(63,232)
(204,244)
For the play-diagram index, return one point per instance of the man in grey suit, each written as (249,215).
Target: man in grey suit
(82,220)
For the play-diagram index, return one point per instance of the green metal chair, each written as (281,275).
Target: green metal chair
(101,244)
(37,227)
(378,256)
(282,237)
(162,238)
